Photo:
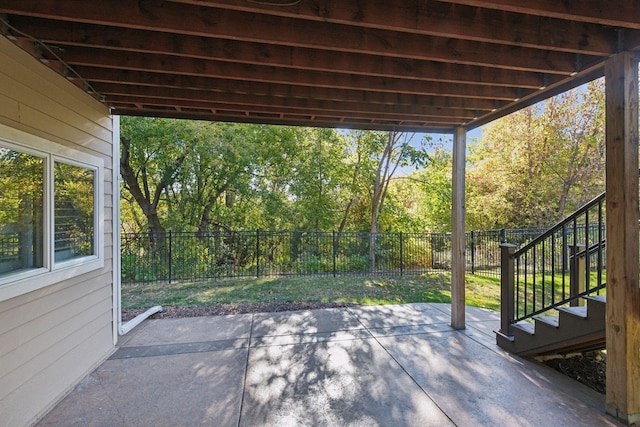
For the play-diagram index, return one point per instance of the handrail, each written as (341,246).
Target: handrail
(561,265)
(592,249)
(593,202)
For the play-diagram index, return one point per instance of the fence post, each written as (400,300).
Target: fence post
(433,261)
(507,288)
(577,273)
(258,253)
(170,256)
(401,264)
(473,253)
(333,251)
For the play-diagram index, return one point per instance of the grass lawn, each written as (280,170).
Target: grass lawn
(366,290)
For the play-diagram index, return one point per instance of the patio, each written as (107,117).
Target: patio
(375,365)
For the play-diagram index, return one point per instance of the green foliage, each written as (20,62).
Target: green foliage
(529,169)
(20,189)
(426,193)
(199,176)
(534,166)
(312,264)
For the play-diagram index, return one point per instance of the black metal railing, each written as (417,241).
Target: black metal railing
(10,244)
(563,264)
(193,256)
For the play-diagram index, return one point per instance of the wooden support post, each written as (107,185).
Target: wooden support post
(457,230)
(623,293)
(507,287)
(577,273)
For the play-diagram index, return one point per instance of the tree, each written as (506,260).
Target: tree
(199,176)
(396,151)
(268,203)
(218,168)
(575,133)
(533,166)
(432,191)
(152,154)
(387,151)
(317,178)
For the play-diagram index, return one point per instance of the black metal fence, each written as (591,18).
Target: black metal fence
(483,247)
(10,244)
(192,256)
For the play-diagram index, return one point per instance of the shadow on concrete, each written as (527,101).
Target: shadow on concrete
(399,365)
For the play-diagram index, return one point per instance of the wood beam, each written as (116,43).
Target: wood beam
(441,19)
(257,91)
(199,73)
(433,104)
(311,121)
(140,41)
(250,27)
(623,291)
(615,13)
(585,76)
(458,264)
(339,110)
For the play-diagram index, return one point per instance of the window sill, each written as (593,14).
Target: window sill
(31,281)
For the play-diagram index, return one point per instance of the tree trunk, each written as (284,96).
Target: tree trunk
(142,197)
(386,169)
(147,201)
(347,209)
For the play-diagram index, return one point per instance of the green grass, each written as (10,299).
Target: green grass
(481,292)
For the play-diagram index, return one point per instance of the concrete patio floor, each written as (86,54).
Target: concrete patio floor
(398,365)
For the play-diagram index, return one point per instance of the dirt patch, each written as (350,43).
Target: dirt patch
(224,309)
(589,368)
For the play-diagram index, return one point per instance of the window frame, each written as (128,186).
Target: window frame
(24,281)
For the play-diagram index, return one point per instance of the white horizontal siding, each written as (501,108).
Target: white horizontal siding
(60,306)
(9,108)
(25,403)
(50,338)
(36,87)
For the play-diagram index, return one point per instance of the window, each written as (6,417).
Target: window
(50,212)
(21,211)
(73,217)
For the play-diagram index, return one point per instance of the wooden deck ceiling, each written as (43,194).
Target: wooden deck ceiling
(403,64)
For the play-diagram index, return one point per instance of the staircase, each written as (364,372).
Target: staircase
(551,288)
(579,328)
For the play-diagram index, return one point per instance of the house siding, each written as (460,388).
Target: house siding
(51,337)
